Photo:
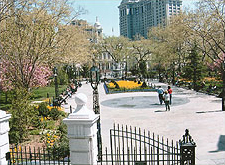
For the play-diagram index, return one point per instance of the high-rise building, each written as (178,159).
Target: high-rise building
(137,16)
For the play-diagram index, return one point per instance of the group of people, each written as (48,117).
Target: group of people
(165,96)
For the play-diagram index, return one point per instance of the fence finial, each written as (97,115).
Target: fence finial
(187,138)
(187,147)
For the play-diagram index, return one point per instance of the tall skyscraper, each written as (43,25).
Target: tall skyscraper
(137,16)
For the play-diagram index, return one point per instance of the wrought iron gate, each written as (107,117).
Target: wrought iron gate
(131,146)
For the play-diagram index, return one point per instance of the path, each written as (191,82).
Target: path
(202,115)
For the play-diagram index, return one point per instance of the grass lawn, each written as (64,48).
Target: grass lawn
(38,94)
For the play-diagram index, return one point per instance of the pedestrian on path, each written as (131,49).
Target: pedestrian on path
(170,94)
(160,94)
(167,100)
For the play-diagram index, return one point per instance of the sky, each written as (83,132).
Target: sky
(107,13)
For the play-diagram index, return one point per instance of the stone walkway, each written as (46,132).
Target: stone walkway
(200,113)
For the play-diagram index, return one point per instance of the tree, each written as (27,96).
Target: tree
(85,70)
(208,23)
(194,68)
(9,79)
(35,38)
(162,54)
(74,46)
(116,47)
(141,51)
(7,8)
(172,44)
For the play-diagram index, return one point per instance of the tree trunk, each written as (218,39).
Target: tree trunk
(160,78)
(173,76)
(195,79)
(223,91)
(6,97)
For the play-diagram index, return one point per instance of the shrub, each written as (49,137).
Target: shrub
(35,132)
(54,113)
(35,122)
(63,145)
(22,115)
(50,124)
(43,110)
(58,140)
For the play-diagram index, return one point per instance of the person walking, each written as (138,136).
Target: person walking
(170,94)
(160,94)
(167,100)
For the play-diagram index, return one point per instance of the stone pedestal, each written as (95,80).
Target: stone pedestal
(82,133)
(4,138)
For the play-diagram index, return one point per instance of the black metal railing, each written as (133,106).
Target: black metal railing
(27,155)
(133,146)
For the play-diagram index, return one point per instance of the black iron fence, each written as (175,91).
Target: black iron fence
(131,146)
(128,146)
(27,155)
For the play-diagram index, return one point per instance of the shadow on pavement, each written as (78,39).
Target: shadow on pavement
(209,111)
(161,111)
(220,144)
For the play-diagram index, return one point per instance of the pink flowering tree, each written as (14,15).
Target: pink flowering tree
(12,76)
(217,64)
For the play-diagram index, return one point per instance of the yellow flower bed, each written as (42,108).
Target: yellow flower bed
(50,139)
(126,84)
(59,108)
(50,107)
(46,100)
(211,79)
(184,80)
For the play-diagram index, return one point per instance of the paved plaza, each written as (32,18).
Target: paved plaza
(200,113)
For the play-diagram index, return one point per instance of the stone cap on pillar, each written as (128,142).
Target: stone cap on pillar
(81,111)
(4,122)
(4,117)
(82,123)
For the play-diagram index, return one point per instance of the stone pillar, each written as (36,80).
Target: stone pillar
(82,133)
(4,138)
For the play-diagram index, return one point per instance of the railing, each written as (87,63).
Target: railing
(27,155)
(133,146)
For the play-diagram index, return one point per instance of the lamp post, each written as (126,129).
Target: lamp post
(94,76)
(56,82)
